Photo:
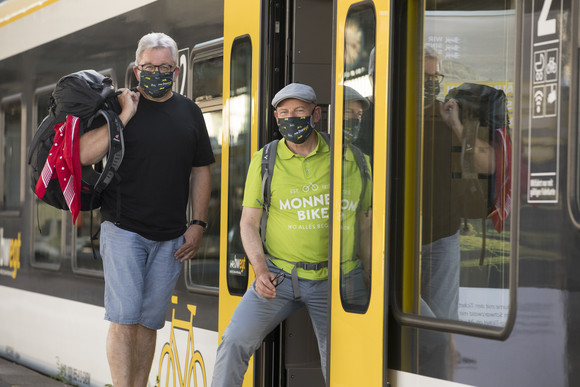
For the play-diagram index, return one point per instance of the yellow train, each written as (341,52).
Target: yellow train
(510,317)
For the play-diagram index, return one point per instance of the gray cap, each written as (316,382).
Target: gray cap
(295,90)
(351,94)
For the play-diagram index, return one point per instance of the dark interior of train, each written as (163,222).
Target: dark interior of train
(299,40)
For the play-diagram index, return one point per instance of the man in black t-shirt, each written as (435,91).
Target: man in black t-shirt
(441,218)
(145,234)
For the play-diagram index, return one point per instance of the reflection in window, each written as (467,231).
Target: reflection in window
(47,220)
(208,79)
(466,93)
(239,159)
(86,258)
(358,127)
(11,155)
(207,93)
(47,233)
(204,269)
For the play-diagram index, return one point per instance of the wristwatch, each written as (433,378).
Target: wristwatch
(199,223)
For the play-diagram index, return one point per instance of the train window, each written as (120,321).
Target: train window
(48,221)
(207,90)
(11,110)
(357,155)
(462,267)
(207,79)
(240,116)
(130,78)
(86,258)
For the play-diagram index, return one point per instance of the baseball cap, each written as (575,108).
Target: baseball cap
(295,90)
(351,94)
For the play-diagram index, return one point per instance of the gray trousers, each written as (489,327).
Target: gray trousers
(256,316)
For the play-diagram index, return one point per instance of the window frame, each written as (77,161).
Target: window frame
(407,55)
(239,258)
(55,266)
(202,52)
(3,102)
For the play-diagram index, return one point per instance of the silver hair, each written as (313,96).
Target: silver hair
(156,40)
(430,52)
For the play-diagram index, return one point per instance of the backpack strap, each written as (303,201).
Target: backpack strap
(268,161)
(116,148)
(325,136)
(365,174)
(114,159)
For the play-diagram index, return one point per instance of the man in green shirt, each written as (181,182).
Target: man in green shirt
(296,241)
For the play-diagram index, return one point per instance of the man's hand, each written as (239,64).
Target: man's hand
(191,245)
(264,285)
(129,100)
(450,114)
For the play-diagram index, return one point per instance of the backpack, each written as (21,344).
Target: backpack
(483,196)
(268,161)
(91,97)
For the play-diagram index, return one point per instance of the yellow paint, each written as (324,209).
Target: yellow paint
(170,368)
(241,19)
(13,10)
(357,340)
(14,259)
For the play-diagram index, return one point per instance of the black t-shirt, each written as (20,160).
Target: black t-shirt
(163,141)
(441,152)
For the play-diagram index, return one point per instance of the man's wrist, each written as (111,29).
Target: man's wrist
(197,222)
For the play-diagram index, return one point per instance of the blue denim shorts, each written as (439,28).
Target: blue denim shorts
(140,275)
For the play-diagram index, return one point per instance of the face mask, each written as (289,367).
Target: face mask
(432,89)
(351,129)
(156,84)
(296,129)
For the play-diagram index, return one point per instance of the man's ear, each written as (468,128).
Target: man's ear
(176,73)
(317,114)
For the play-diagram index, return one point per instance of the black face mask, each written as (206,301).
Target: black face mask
(351,129)
(432,89)
(156,84)
(296,129)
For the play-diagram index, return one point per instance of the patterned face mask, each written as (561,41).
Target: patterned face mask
(156,84)
(351,129)
(296,129)
(432,89)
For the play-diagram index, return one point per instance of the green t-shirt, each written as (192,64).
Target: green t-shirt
(297,228)
(352,203)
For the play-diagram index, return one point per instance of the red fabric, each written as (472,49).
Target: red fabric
(63,162)
(503,182)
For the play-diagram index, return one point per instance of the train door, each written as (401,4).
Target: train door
(359,271)
(239,141)
(267,44)
(453,254)
(305,29)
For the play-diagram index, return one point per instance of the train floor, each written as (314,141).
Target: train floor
(16,375)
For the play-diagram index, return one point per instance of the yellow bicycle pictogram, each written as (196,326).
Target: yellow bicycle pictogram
(169,365)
